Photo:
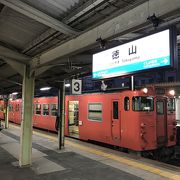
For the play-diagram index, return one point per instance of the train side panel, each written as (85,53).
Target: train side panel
(123,131)
(98,130)
(43,117)
(171,128)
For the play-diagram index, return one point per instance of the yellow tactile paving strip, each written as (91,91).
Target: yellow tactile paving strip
(123,160)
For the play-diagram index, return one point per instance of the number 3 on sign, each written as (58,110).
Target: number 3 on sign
(76,86)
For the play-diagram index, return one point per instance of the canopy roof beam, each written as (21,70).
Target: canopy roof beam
(39,16)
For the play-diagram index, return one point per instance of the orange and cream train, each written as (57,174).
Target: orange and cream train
(142,120)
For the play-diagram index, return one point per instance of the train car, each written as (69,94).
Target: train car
(15,107)
(44,112)
(1,110)
(138,120)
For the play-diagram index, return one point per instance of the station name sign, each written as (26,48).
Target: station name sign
(146,53)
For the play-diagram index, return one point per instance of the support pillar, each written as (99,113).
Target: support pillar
(178,69)
(26,124)
(61,104)
(6,112)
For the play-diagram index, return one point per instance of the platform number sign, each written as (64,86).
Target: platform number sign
(76,86)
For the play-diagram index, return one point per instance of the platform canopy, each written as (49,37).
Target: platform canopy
(57,38)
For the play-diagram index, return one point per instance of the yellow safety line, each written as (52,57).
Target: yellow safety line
(127,161)
(123,160)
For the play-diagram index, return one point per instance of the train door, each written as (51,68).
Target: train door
(73,118)
(161,121)
(115,122)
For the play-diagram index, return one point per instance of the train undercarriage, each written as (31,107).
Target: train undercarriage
(163,154)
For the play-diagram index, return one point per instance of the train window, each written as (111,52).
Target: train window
(126,104)
(160,107)
(17,107)
(95,111)
(171,104)
(1,108)
(38,109)
(10,107)
(54,109)
(115,110)
(45,109)
(141,103)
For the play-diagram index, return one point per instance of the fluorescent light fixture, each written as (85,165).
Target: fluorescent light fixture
(67,85)
(45,88)
(14,93)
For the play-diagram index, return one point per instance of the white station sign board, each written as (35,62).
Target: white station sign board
(76,86)
(149,52)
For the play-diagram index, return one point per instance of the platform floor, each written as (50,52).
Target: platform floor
(77,161)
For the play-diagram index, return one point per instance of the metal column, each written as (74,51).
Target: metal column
(6,112)
(26,124)
(61,104)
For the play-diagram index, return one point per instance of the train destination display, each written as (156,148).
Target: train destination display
(146,53)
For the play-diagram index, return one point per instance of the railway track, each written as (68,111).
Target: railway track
(176,160)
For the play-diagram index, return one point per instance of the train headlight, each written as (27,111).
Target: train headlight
(145,90)
(172,92)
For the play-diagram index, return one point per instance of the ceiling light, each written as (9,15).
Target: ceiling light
(45,88)
(14,93)
(67,85)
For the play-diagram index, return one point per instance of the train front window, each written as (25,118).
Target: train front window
(171,104)
(126,104)
(141,103)
(160,107)
(38,109)
(45,109)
